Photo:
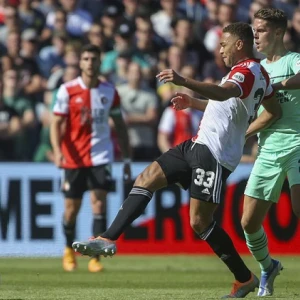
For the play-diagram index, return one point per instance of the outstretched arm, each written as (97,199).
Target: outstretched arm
(271,113)
(183,101)
(208,90)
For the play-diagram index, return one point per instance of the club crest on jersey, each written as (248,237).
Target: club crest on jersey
(79,100)
(298,63)
(239,77)
(103,100)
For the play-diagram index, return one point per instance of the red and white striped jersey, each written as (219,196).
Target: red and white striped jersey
(224,123)
(87,138)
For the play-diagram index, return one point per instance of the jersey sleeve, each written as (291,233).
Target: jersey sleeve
(167,121)
(295,64)
(243,78)
(61,105)
(116,105)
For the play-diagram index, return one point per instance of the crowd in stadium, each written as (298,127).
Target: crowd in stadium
(40,43)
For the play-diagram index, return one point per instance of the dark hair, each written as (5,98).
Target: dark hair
(90,48)
(241,30)
(275,17)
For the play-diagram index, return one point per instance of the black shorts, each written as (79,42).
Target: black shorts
(193,166)
(76,181)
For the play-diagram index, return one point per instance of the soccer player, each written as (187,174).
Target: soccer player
(80,136)
(204,163)
(279,144)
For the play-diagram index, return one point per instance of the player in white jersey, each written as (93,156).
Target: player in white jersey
(204,163)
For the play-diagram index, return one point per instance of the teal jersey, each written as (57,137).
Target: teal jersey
(284,134)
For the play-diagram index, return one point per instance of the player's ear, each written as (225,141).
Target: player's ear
(239,44)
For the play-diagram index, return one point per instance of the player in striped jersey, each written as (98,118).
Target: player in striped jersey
(204,163)
(81,140)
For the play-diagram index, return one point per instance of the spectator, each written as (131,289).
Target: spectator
(196,53)
(124,41)
(46,6)
(31,79)
(175,59)
(94,7)
(60,23)
(163,18)
(130,11)
(11,23)
(24,142)
(52,57)
(140,107)
(226,15)
(214,70)
(110,21)
(177,126)
(30,17)
(193,10)
(96,37)
(10,126)
(79,21)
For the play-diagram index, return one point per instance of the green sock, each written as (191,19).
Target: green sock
(257,243)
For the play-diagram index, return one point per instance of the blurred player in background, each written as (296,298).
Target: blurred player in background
(279,144)
(204,163)
(81,141)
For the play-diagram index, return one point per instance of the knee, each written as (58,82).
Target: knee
(249,226)
(198,224)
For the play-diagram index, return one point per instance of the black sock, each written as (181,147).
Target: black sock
(99,226)
(132,208)
(222,245)
(69,231)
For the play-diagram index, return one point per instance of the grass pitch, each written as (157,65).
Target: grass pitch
(134,277)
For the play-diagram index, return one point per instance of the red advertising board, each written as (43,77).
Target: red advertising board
(169,231)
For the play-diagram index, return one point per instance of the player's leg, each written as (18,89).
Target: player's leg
(208,184)
(263,189)
(99,184)
(169,168)
(295,195)
(73,188)
(292,168)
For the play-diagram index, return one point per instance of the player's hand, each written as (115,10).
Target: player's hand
(170,75)
(181,101)
(127,172)
(58,158)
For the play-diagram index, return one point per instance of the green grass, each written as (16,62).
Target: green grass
(134,277)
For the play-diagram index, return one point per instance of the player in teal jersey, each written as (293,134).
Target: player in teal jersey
(279,144)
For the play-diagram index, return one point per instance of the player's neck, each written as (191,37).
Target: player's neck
(276,53)
(90,82)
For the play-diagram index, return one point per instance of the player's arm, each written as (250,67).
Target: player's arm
(123,140)
(272,112)
(183,101)
(292,83)
(122,135)
(57,125)
(56,135)
(206,89)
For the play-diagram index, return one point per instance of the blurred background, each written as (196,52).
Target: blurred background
(39,47)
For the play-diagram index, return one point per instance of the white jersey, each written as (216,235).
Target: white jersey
(224,123)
